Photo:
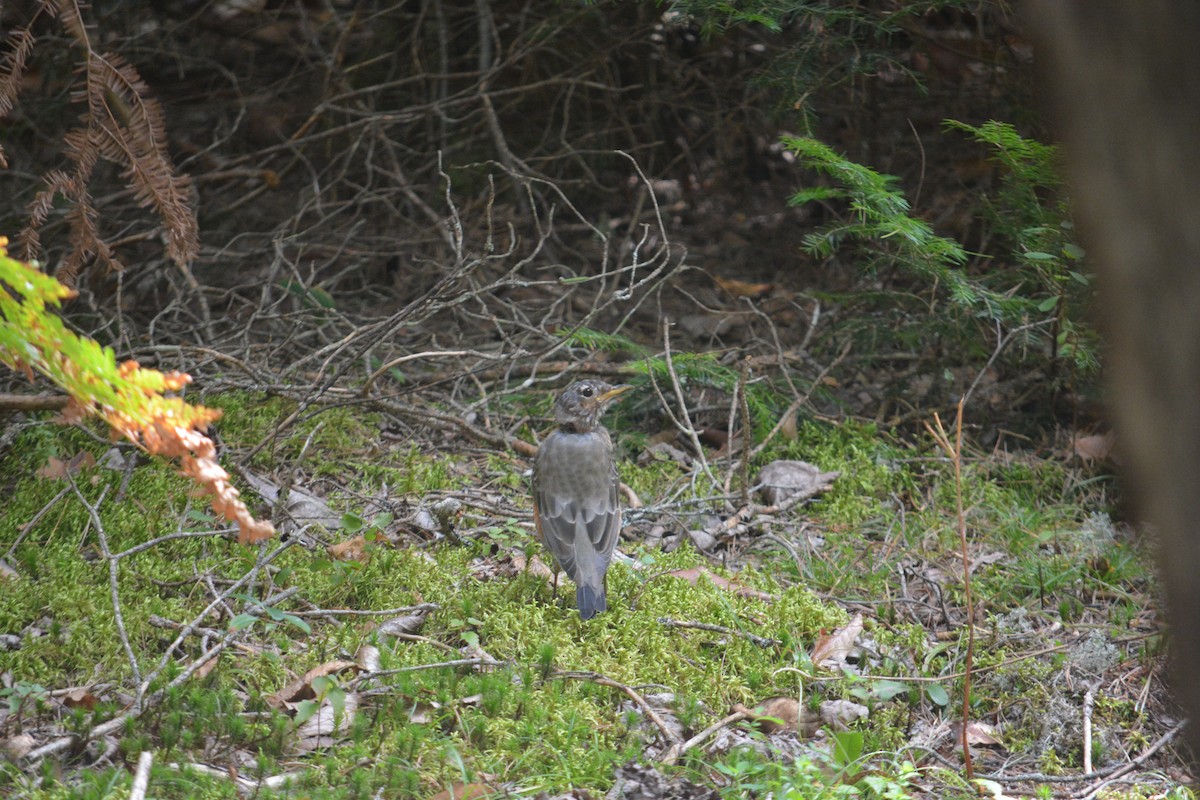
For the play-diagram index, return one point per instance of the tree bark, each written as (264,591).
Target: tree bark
(1124,83)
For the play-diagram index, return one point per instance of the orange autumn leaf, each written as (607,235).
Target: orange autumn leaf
(743,289)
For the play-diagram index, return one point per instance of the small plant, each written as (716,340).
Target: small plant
(1032,214)
(21,695)
(1038,291)
(807,779)
(273,616)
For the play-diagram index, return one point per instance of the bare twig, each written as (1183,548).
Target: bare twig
(954,452)
(141,777)
(761,641)
(640,701)
(677,750)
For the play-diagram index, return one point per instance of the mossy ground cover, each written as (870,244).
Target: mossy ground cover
(884,540)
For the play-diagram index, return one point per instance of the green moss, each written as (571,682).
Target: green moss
(525,721)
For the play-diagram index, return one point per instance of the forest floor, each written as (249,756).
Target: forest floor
(383,308)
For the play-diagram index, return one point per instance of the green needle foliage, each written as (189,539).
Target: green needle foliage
(1031,213)
(1037,283)
(883,232)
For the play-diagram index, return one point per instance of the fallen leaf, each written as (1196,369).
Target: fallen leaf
(350,550)
(839,714)
(987,558)
(789,429)
(833,649)
(978,733)
(464,791)
(19,746)
(80,698)
(316,731)
(301,688)
(741,288)
(694,574)
(777,714)
(368,658)
(406,625)
(57,469)
(780,481)
(303,508)
(702,540)
(208,666)
(1095,447)
(422,712)
(535,566)
(664,451)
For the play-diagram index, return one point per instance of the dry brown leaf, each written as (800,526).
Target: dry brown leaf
(316,731)
(1095,447)
(694,574)
(838,714)
(406,625)
(19,746)
(535,566)
(207,667)
(777,714)
(741,288)
(780,480)
(80,698)
(422,712)
(978,733)
(464,791)
(301,688)
(57,469)
(789,429)
(833,649)
(350,550)
(368,658)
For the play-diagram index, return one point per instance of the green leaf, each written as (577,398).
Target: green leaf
(1073,251)
(1048,304)
(937,694)
(292,619)
(886,690)
(847,747)
(305,709)
(1037,255)
(352,522)
(242,621)
(337,699)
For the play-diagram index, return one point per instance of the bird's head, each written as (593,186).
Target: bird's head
(581,404)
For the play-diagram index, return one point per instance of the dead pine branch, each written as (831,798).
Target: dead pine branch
(121,123)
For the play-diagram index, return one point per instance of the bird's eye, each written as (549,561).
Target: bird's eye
(586,391)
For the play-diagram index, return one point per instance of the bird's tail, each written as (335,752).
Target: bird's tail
(590,600)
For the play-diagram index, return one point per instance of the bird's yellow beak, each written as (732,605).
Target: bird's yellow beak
(614,393)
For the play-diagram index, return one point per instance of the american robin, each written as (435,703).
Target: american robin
(575,505)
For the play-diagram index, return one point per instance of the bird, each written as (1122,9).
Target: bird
(575,507)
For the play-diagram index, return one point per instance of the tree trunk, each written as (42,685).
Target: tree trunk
(1124,80)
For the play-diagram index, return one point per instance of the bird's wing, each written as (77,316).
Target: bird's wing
(577,506)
